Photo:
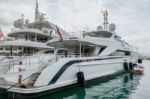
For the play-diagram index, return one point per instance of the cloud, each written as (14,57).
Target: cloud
(78,14)
(130,16)
(12,10)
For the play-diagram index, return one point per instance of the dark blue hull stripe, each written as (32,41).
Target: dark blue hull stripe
(68,64)
(60,72)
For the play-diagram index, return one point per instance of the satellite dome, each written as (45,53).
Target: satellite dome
(99,28)
(27,21)
(18,23)
(112,27)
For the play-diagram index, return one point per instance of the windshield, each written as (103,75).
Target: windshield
(102,34)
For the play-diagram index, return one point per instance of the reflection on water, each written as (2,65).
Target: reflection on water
(76,93)
(117,88)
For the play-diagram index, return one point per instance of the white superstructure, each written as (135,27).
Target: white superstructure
(28,43)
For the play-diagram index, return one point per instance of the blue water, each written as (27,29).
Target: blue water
(124,86)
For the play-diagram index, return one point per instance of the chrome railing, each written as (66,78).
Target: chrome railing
(58,56)
(71,55)
(13,64)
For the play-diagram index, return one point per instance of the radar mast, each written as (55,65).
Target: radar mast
(36,11)
(105,14)
(38,15)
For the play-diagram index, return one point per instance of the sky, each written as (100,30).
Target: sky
(130,16)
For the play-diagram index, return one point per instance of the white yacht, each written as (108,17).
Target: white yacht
(93,55)
(28,43)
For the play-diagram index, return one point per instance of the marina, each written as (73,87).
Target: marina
(40,59)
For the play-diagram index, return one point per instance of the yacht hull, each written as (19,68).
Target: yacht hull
(63,76)
(51,91)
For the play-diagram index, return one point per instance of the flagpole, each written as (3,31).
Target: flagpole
(80,44)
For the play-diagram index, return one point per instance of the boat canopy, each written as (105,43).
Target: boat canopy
(23,43)
(28,32)
(70,42)
(46,24)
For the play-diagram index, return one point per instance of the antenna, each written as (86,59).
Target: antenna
(36,11)
(36,4)
(105,14)
(22,16)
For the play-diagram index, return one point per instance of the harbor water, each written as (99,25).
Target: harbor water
(124,86)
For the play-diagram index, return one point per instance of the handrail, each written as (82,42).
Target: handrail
(29,76)
(28,63)
(24,79)
(73,55)
(12,57)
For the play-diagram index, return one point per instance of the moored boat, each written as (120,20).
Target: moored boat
(93,55)
(28,44)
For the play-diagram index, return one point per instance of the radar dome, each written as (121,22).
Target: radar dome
(18,23)
(112,27)
(99,28)
(27,21)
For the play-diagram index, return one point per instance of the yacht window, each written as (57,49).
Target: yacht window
(50,51)
(14,48)
(85,50)
(118,53)
(60,51)
(1,48)
(116,37)
(127,53)
(102,34)
(7,48)
(101,50)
